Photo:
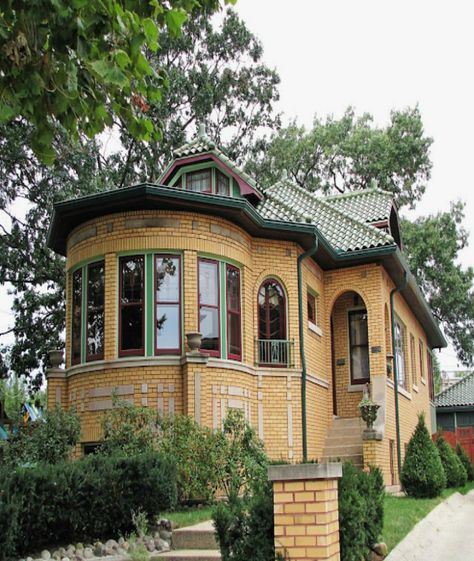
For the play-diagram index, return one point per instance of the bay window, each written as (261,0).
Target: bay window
(131,303)
(167,304)
(234,350)
(359,346)
(209,324)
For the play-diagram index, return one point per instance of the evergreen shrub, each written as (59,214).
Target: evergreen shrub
(75,501)
(456,475)
(422,472)
(466,462)
(361,497)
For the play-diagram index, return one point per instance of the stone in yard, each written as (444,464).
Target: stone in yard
(126,546)
(79,546)
(161,545)
(56,555)
(121,541)
(150,544)
(70,551)
(88,553)
(46,555)
(111,544)
(121,551)
(165,535)
(29,559)
(65,559)
(381,549)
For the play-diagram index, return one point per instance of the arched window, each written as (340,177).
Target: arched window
(271,311)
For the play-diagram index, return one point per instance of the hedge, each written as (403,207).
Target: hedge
(75,501)
(456,475)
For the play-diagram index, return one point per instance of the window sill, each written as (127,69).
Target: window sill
(423,381)
(356,387)
(315,328)
(401,391)
(415,388)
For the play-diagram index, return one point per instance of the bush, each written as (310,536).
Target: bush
(466,462)
(422,472)
(49,440)
(91,498)
(361,497)
(456,475)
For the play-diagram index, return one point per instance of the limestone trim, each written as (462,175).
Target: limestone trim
(294,472)
(401,391)
(315,328)
(121,363)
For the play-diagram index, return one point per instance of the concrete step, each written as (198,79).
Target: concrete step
(199,536)
(188,555)
(347,449)
(356,459)
(341,440)
(348,422)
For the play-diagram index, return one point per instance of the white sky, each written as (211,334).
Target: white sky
(377,55)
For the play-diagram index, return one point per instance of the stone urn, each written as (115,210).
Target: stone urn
(194,341)
(368,411)
(56,357)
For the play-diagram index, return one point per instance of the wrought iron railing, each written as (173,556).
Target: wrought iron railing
(274,352)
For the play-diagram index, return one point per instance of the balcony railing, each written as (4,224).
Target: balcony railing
(275,352)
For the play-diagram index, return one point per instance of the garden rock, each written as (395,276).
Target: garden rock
(46,555)
(121,541)
(65,559)
(165,535)
(56,555)
(111,544)
(88,553)
(381,549)
(161,544)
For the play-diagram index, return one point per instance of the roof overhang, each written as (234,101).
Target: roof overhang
(70,214)
(454,408)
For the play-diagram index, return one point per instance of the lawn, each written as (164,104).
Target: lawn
(402,513)
(189,516)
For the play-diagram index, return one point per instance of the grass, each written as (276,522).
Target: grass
(189,516)
(402,513)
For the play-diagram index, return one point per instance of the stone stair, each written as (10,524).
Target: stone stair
(344,441)
(193,543)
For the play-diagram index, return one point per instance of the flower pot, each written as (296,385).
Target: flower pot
(56,357)
(368,412)
(194,341)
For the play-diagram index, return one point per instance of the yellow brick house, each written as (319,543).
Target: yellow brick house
(300,300)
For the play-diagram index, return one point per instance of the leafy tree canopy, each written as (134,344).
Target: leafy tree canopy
(432,245)
(340,155)
(82,64)
(216,75)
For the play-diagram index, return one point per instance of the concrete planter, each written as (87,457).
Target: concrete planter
(194,340)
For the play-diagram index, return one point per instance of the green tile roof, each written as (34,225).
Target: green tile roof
(460,393)
(368,205)
(344,232)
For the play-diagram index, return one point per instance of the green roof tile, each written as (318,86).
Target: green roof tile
(460,393)
(368,205)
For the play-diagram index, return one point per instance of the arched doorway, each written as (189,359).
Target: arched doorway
(349,352)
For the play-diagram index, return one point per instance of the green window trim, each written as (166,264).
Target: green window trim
(179,180)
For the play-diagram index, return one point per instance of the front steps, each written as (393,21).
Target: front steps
(344,441)
(193,543)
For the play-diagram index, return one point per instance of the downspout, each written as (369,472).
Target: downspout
(311,251)
(398,288)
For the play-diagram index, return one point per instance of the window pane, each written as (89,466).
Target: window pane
(132,328)
(209,327)
(76,316)
(199,181)
(208,283)
(359,328)
(222,184)
(95,310)
(233,333)
(400,355)
(233,289)
(132,279)
(271,312)
(311,308)
(167,326)
(360,363)
(167,279)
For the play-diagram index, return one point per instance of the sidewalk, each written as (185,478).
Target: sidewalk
(446,534)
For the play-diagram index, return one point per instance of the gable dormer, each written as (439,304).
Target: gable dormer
(199,166)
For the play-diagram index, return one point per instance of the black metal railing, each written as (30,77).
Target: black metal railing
(274,352)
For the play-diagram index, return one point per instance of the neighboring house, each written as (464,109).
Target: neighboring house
(455,405)
(292,293)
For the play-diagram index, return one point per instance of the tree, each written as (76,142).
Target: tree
(422,472)
(81,64)
(456,475)
(347,154)
(225,63)
(466,461)
(433,244)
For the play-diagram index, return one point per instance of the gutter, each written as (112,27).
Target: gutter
(311,251)
(398,288)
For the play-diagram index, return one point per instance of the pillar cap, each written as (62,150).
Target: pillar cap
(294,472)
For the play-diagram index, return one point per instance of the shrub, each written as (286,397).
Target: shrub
(456,475)
(49,440)
(466,462)
(361,497)
(422,472)
(91,498)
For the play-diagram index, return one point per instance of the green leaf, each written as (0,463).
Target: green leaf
(151,33)
(6,113)
(122,59)
(110,73)
(175,20)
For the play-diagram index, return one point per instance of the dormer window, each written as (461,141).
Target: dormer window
(199,181)
(222,184)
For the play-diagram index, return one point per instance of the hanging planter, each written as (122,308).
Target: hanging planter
(368,411)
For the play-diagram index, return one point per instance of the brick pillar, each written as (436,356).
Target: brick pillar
(306,511)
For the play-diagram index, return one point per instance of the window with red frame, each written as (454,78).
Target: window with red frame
(413,360)
(421,351)
(76,317)
(95,311)
(199,181)
(234,350)
(311,308)
(168,304)
(132,274)
(222,184)
(209,306)
(429,365)
(359,346)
